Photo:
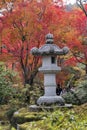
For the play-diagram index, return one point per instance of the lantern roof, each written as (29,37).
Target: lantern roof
(49,48)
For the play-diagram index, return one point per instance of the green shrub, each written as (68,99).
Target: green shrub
(79,95)
(6,81)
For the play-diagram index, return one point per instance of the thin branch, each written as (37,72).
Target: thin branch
(16,26)
(21,58)
(27,54)
(40,15)
(80,4)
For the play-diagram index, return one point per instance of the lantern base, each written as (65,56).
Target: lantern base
(51,100)
(36,108)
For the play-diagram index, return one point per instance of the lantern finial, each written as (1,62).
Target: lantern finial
(49,38)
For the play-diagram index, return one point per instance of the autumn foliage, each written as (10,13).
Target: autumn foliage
(26,25)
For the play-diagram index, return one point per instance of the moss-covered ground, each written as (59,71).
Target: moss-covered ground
(4,122)
(59,119)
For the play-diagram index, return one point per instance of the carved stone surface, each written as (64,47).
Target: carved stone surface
(49,48)
(48,69)
(49,100)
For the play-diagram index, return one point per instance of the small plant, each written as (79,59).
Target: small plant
(6,82)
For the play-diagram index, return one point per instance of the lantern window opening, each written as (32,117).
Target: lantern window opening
(53,60)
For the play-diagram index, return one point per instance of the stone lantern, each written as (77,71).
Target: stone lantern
(49,68)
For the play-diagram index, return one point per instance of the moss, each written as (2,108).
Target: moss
(75,119)
(24,126)
(3,109)
(81,110)
(39,125)
(29,116)
(5,127)
(60,119)
(13,128)
(24,115)
(23,110)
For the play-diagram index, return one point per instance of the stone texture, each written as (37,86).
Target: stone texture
(49,48)
(35,108)
(49,100)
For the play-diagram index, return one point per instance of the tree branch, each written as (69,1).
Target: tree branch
(80,4)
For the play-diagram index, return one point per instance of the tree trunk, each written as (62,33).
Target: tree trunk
(86,69)
(30,80)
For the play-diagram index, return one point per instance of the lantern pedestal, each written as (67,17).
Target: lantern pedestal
(50,97)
